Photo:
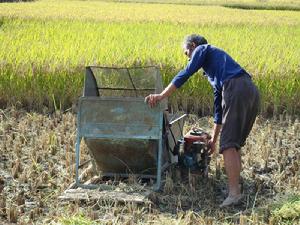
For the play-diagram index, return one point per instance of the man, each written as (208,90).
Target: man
(236,103)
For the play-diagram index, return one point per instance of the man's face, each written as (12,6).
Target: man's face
(188,50)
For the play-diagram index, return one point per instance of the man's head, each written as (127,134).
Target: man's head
(191,42)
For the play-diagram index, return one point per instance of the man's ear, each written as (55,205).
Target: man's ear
(194,45)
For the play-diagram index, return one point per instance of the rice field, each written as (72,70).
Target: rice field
(239,4)
(44,48)
(48,49)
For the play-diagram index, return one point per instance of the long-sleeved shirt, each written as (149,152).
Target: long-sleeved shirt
(218,66)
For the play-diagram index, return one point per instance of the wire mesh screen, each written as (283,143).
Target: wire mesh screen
(127,82)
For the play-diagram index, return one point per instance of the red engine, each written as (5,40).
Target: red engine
(193,151)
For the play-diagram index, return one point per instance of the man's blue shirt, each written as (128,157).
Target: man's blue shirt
(218,66)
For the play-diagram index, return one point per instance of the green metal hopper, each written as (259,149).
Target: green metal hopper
(123,134)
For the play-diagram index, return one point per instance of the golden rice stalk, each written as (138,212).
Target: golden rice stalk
(169,184)
(20,198)
(2,205)
(12,214)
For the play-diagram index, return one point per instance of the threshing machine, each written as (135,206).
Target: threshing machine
(124,135)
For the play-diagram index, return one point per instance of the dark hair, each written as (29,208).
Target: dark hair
(194,38)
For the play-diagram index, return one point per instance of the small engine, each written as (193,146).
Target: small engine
(193,152)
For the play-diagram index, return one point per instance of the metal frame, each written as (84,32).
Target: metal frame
(91,91)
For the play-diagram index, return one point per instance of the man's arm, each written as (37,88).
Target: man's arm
(217,118)
(193,66)
(212,142)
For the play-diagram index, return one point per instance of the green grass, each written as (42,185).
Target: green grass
(267,4)
(263,6)
(287,210)
(76,220)
(144,13)
(45,45)
(239,4)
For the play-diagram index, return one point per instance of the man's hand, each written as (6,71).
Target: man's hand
(153,99)
(212,146)
(214,137)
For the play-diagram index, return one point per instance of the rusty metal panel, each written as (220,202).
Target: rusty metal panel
(131,156)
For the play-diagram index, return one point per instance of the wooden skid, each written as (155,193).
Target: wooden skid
(107,195)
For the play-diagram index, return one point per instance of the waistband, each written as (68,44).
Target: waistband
(243,75)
